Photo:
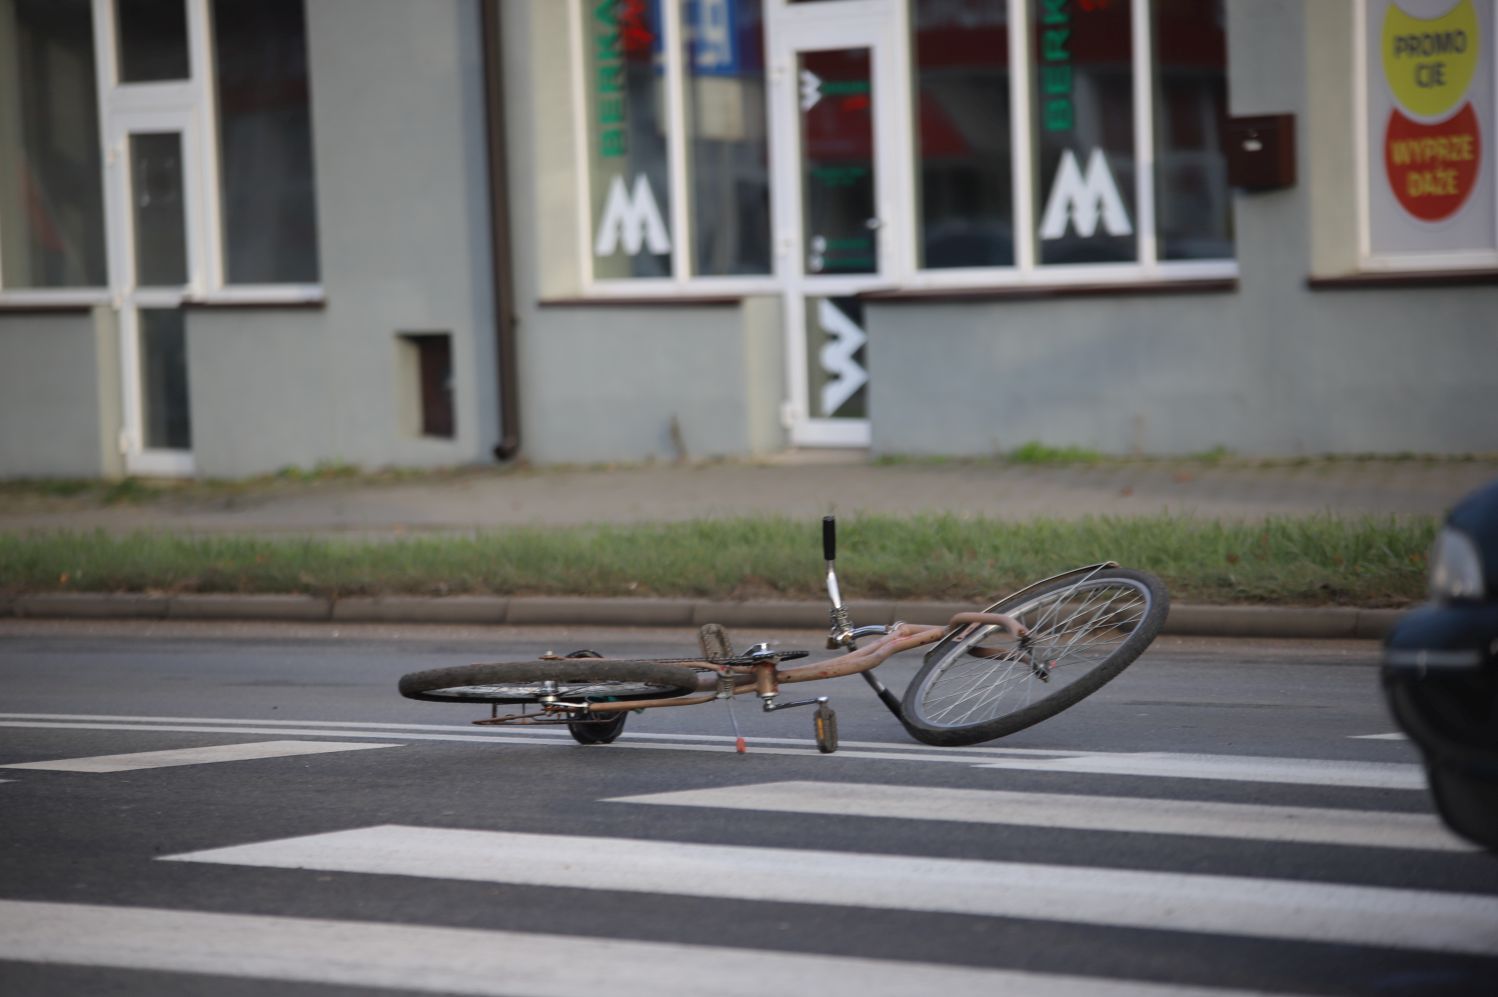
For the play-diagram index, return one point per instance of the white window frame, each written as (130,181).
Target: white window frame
(1445,262)
(904,272)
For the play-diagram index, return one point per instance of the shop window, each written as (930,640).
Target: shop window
(727,143)
(269,204)
(629,161)
(1193,207)
(158,204)
(964,145)
(51,186)
(166,419)
(1084,117)
(1432,114)
(152,40)
(837,163)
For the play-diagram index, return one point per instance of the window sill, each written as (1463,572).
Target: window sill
(1404,279)
(317,302)
(1024,292)
(51,302)
(643,301)
(47,308)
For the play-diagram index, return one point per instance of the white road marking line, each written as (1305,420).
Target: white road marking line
(557,732)
(195,756)
(363,954)
(1305,825)
(511,737)
(1396,736)
(1239,768)
(1231,768)
(1230,905)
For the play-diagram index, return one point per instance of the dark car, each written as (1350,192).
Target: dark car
(1440,670)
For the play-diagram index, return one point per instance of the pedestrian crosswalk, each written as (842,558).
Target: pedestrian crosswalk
(1175,801)
(465,961)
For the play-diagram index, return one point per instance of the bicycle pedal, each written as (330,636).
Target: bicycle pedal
(824,726)
(713,640)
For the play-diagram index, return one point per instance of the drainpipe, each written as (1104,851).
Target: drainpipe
(490,30)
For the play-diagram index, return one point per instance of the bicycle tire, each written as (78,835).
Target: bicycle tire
(967,691)
(571,679)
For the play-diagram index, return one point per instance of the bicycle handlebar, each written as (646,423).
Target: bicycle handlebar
(829,538)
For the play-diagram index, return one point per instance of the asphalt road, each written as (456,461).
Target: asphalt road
(1225,816)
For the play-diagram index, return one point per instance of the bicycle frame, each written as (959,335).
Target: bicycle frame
(764,677)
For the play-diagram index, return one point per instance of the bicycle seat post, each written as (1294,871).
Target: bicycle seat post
(840,634)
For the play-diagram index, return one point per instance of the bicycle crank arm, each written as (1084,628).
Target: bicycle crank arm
(770,706)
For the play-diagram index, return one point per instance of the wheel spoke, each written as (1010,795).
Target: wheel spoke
(1070,632)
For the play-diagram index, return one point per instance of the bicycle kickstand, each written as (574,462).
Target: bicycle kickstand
(725,693)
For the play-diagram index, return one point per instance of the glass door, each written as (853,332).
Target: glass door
(152,58)
(834,127)
(151,188)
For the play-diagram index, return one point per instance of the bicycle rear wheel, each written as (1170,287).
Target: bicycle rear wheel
(568,680)
(981,683)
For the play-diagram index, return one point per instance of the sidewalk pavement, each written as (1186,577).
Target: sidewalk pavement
(795,486)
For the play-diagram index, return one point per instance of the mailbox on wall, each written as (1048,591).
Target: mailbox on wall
(1261,152)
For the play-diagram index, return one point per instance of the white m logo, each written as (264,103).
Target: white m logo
(1083,200)
(632,218)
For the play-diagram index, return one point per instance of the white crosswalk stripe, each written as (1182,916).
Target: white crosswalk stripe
(467,961)
(1305,825)
(1261,908)
(209,754)
(1230,768)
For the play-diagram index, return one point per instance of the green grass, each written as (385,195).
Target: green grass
(1035,452)
(1368,562)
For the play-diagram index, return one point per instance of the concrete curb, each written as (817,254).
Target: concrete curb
(1264,622)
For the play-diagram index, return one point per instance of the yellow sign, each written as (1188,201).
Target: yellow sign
(1430,61)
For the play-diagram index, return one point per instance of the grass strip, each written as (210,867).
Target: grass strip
(1316,561)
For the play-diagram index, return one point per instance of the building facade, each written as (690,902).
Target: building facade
(239,237)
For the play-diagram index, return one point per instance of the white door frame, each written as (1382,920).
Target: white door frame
(127,294)
(876,25)
(126,109)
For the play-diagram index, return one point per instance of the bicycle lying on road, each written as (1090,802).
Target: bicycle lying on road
(1025,658)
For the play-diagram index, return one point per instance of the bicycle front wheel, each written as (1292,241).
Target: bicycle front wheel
(983,683)
(569,680)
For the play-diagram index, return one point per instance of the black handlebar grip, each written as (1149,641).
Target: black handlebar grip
(829,537)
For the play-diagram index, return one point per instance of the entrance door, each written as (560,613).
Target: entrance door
(151,189)
(834,127)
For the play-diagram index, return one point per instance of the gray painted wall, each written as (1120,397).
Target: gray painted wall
(398,140)
(59,395)
(610,383)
